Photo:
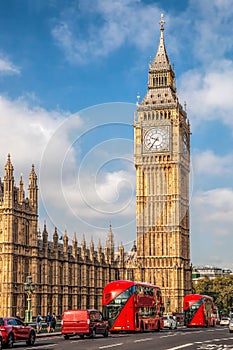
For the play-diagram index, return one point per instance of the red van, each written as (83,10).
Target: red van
(83,322)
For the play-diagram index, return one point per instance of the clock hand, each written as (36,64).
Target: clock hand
(156,139)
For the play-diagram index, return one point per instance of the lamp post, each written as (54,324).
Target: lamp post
(29,287)
(168,305)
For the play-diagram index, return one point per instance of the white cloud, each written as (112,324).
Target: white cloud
(217,204)
(212,222)
(212,165)
(209,93)
(118,23)
(91,179)
(7,67)
(27,131)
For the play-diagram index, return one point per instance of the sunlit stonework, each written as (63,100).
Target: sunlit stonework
(162,161)
(71,275)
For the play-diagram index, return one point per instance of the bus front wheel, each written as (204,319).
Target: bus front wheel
(158,327)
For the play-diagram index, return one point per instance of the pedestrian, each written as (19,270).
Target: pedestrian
(38,323)
(53,322)
(48,322)
(18,316)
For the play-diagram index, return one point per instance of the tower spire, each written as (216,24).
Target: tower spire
(161,79)
(161,60)
(33,189)
(9,183)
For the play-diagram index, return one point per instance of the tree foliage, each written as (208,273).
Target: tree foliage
(220,288)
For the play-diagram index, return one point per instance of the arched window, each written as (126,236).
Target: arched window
(26,233)
(15,231)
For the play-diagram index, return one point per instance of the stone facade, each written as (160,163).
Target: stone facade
(64,275)
(67,275)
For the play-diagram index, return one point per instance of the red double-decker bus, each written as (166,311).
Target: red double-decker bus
(199,311)
(132,306)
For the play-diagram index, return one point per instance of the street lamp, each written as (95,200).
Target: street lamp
(168,304)
(29,287)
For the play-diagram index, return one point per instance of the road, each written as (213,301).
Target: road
(217,338)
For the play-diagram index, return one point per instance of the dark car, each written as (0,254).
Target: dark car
(14,330)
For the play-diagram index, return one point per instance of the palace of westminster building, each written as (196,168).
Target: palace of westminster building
(70,275)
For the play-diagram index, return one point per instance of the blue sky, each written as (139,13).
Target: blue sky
(70,72)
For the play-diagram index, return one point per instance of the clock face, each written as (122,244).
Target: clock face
(157,139)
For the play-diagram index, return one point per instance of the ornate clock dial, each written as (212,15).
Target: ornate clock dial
(157,139)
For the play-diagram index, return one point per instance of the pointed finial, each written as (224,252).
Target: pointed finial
(75,238)
(138,98)
(55,234)
(185,105)
(162,22)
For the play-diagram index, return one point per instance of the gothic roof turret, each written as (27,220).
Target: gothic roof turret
(55,237)
(32,178)
(65,238)
(21,190)
(74,241)
(33,189)
(74,246)
(83,242)
(45,234)
(92,244)
(110,239)
(8,169)
(83,247)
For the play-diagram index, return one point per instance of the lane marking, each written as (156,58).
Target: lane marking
(42,346)
(110,346)
(140,340)
(181,346)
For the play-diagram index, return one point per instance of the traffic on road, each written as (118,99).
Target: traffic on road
(181,338)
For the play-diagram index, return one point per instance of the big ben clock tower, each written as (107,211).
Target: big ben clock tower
(162,161)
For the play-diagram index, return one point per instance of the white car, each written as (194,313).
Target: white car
(225,321)
(169,322)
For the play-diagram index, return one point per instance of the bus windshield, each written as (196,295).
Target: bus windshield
(191,311)
(112,310)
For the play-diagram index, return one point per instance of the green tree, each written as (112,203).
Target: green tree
(220,288)
(203,286)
